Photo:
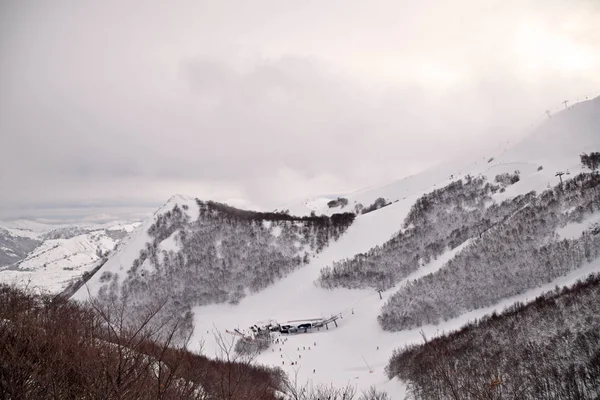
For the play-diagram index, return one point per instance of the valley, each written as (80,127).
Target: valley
(357,350)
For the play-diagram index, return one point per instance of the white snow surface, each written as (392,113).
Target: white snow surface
(26,228)
(55,263)
(555,145)
(575,229)
(347,353)
(122,259)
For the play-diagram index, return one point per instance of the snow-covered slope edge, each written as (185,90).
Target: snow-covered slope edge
(14,247)
(343,353)
(347,353)
(122,259)
(553,145)
(63,255)
(210,253)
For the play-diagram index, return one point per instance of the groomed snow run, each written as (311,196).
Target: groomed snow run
(348,353)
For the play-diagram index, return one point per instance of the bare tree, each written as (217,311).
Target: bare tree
(233,383)
(295,390)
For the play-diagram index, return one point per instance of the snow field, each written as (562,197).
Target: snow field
(347,353)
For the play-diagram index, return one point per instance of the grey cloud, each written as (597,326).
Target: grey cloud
(265,103)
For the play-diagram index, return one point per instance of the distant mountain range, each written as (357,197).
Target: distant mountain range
(49,258)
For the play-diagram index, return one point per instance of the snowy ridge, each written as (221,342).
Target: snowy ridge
(349,352)
(555,145)
(122,259)
(64,255)
(346,354)
(13,248)
(29,229)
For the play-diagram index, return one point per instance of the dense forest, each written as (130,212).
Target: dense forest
(514,248)
(546,349)
(521,252)
(438,221)
(53,348)
(591,161)
(220,257)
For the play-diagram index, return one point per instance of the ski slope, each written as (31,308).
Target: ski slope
(555,145)
(357,350)
(348,353)
(345,354)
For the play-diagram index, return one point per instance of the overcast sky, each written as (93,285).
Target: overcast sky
(108,108)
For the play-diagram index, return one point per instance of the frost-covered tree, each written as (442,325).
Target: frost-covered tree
(438,221)
(222,256)
(547,349)
(591,161)
(520,252)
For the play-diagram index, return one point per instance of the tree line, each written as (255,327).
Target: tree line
(520,252)
(546,349)
(514,247)
(591,161)
(54,348)
(438,221)
(222,256)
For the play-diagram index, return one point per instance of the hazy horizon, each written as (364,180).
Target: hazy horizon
(107,109)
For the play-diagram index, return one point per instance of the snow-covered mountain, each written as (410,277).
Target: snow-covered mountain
(18,238)
(49,258)
(554,145)
(484,199)
(13,247)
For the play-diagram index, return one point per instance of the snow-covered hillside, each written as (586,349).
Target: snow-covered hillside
(554,144)
(209,253)
(122,259)
(63,254)
(13,247)
(31,229)
(348,353)
(357,350)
